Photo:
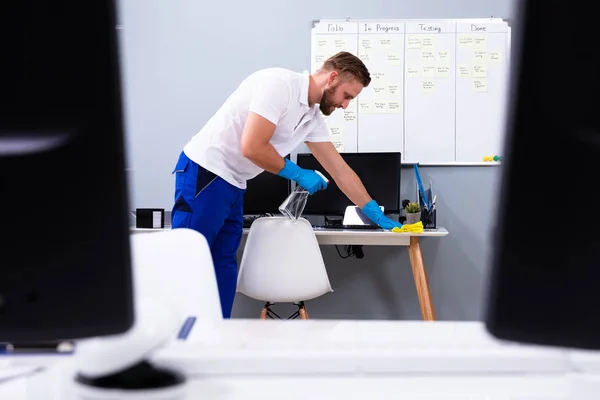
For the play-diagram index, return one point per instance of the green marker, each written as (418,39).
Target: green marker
(496,158)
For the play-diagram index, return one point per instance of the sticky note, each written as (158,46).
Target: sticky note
(494,56)
(443,57)
(479,56)
(480,85)
(413,42)
(479,42)
(429,71)
(413,72)
(427,41)
(335,131)
(364,107)
(394,107)
(385,42)
(320,58)
(366,44)
(380,107)
(339,44)
(427,57)
(394,90)
(479,71)
(339,145)
(428,86)
(349,115)
(465,41)
(379,91)
(377,75)
(365,57)
(463,71)
(322,43)
(443,71)
(394,59)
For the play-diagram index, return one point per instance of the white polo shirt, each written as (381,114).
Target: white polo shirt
(277,94)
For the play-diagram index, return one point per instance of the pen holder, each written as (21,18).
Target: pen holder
(429,219)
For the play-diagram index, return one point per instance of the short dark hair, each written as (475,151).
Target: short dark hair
(347,63)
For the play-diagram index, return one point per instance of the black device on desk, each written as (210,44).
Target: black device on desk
(379,172)
(545,275)
(264,194)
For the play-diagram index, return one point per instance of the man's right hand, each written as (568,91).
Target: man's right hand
(308,179)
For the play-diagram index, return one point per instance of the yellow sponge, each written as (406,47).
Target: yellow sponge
(417,227)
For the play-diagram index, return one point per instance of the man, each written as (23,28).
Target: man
(271,112)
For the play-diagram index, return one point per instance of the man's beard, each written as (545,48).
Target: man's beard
(326,104)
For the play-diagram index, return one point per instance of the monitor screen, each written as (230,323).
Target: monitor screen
(379,172)
(65,255)
(265,193)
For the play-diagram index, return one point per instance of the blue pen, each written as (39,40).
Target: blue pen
(186,328)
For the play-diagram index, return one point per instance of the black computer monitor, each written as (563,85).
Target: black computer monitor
(379,172)
(65,257)
(265,193)
(545,276)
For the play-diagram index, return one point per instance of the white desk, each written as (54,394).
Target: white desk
(379,238)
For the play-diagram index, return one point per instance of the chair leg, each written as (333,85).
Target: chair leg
(302,311)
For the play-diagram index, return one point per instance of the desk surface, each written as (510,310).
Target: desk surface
(327,236)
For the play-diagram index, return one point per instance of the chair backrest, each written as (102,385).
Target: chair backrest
(176,267)
(282,262)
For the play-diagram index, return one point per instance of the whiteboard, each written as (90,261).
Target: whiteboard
(429,97)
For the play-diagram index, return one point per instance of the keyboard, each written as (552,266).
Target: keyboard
(334,347)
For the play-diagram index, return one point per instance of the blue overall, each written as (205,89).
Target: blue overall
(215,208)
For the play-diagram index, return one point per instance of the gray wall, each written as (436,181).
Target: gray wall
(182,58)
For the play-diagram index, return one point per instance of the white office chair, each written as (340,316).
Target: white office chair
(282,263)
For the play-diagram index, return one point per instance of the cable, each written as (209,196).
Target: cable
(347,249)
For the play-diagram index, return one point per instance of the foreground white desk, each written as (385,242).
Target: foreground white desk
(327,236)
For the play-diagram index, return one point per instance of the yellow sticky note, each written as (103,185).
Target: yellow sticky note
(378,75)
(379,91)
(429,71)
(365,57)
(335,131)
(427,41)
(413,71)
(428,86)
(480,85)
(464,71)
(393,90)
(339,145)
(366,44)
(349,115)
(427,57)
(479,42)
(413,42)
(380,107)
(339,44)
(443,57)
(443,71)
(394,59)
(320,58)
(494,56)
(479,71)
(385,42)
(394,107)
(322,44)
(465,41)
(479,56)
(364,107)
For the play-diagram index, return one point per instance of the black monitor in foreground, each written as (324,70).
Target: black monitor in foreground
(545,277)
(379,172)
(65,262)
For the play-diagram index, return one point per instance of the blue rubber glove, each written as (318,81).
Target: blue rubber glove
(308,179)
(374,213)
